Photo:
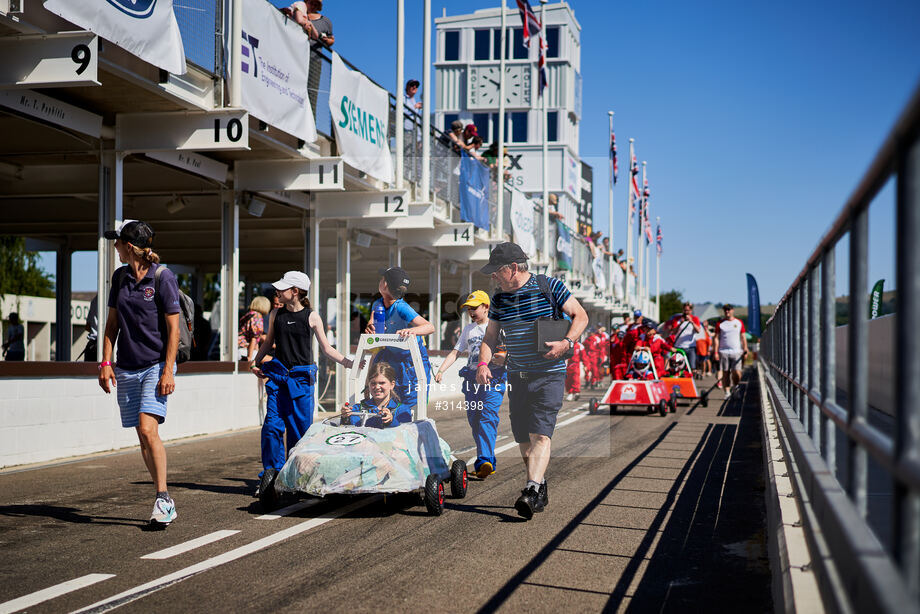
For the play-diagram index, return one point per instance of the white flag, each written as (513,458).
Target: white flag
(146,28)
(274,70)
(522,223)
(361,115)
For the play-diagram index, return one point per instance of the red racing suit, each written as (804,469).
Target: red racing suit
(592,353)
(659,348)
(573,370)
(619,359)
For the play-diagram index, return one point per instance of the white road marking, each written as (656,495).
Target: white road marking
(513,444)
(287,511)
(189,545)
(27,601)
(133,594)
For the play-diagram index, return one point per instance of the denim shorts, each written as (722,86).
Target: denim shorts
(534,400)
(137,394)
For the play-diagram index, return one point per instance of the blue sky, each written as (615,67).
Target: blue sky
(757,119)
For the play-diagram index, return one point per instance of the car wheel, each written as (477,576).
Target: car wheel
(673,404)
(704,400)
(268,498)
(592,406)
(662,407)
(434,495)
(458,479)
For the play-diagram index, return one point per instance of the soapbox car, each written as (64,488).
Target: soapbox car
(336,458)
(651,393)
(685,387)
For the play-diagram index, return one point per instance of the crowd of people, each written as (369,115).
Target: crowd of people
(681,347)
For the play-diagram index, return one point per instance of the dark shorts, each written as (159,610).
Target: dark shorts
(534,400)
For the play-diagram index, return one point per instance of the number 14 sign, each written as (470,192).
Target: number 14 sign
(49,60)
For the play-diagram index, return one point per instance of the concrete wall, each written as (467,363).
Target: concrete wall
(48,418)
(882,333)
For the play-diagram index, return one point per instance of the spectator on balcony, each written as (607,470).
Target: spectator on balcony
(491,156)
(315,25)
(605,247)
(410,112)
(456,136)
(554,207)
(468,133)
(475,146)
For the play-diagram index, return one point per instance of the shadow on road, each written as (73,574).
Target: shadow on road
(65,514)
(247,487)
(711,554)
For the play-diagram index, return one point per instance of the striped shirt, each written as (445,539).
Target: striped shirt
(515,312)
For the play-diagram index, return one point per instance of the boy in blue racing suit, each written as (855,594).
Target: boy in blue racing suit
(381,401)
(482,401)
(404,321)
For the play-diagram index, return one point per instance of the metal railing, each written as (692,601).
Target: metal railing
(832,439)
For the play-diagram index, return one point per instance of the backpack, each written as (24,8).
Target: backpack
(187,311)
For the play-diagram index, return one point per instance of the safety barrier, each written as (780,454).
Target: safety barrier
(836,443)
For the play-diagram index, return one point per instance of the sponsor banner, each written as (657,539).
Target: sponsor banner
(146,28)
(273,72)
(361,114)
(875,302)
(563,247)
(753,306)
(522,223)
(474,192)
(571,180)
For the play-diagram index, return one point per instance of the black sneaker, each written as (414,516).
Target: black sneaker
(528,503)
(542,497)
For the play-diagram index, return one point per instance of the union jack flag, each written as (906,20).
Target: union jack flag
(658,239)
(613,156)
(648,230)
(529,20)
(533,28)
(634,170)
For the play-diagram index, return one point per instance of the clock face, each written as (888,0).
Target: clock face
(483,86)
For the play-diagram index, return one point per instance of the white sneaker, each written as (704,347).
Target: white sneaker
(163,512)
(570,397)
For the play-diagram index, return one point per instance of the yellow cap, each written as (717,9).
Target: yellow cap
(477,298)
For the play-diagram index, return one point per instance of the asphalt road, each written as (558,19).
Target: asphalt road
(646,514)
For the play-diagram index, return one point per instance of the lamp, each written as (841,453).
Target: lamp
(256,207)
(363,240)
(175,205)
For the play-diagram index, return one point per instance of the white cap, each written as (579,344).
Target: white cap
(293,279)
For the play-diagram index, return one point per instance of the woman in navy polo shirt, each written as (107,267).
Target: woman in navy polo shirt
(144,319)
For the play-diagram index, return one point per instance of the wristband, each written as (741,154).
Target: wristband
(105,363)
(482,363)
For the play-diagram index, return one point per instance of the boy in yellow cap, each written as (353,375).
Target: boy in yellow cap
(482,401)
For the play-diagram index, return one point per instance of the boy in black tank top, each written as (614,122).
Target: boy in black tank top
(291,373)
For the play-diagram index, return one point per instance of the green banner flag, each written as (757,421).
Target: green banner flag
(875,299)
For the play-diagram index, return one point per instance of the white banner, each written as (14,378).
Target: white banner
(360,113)
(275,65)
(522,224)
(146,28)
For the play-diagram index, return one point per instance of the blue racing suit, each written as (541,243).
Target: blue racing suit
(482,405)
(401,414)
(289,407)
(399,315)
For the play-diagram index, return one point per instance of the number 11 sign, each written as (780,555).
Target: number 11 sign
(49,60)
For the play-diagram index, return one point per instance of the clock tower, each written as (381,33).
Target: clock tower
(467,88)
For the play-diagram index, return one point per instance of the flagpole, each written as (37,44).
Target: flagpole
(610,195)
(425,187)
(501,131)
(657,268)
(400,88)
(640,252)
(645,231)
(545,93)
(629,220)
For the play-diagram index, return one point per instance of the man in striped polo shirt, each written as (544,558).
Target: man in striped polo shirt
(536,378)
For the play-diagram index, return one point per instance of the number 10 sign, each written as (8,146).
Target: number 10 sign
(49,60)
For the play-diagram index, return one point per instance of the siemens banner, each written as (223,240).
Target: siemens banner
(474,192)
(146,28)
(563,247)
(753,306)
(274,67)
(361,114)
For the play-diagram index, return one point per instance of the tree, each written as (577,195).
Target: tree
(20,272)
(672,302)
